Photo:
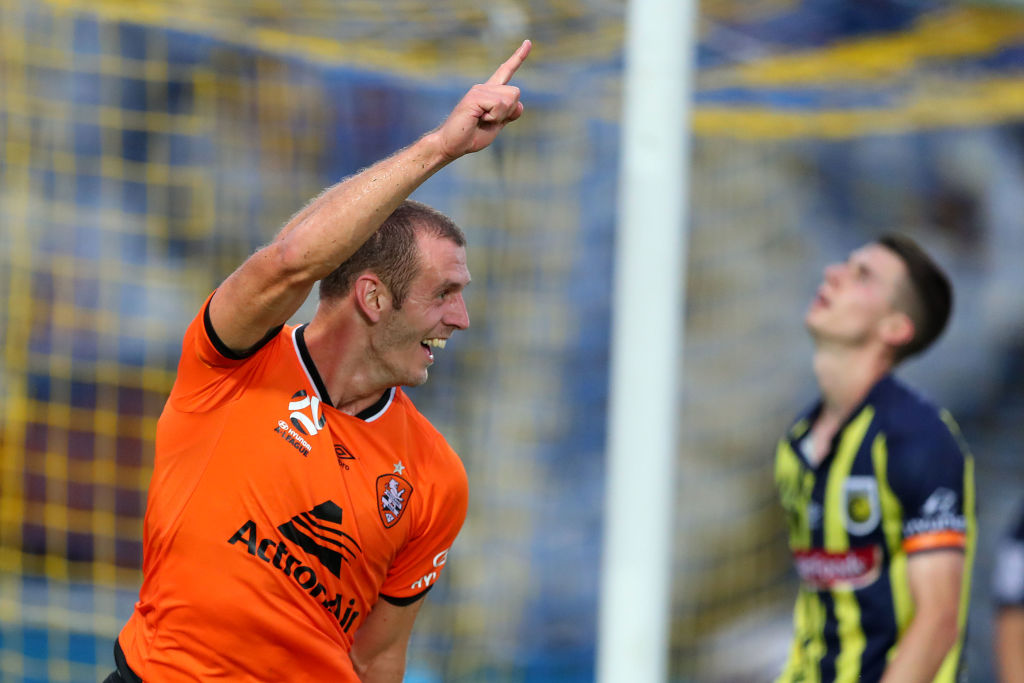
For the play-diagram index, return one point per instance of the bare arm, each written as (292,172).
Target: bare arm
(378,651)
(935,581)
(1010,644)
(271,285)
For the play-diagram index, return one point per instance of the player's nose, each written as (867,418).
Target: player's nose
(457,315)
(833,272)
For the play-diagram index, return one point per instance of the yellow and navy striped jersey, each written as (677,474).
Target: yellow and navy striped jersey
(897,479)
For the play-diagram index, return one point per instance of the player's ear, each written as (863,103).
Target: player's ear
(372,297)
(897,329)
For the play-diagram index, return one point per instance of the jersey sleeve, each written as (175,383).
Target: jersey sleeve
(927,470)
(209,374)
(1008,573)
(419,562)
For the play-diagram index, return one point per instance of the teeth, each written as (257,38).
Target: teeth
(437,343)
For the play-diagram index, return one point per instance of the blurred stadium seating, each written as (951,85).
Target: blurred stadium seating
(146,148)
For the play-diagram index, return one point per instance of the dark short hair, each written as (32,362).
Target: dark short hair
(391,252)
(928,299)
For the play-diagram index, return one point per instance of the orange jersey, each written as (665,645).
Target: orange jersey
(275,522)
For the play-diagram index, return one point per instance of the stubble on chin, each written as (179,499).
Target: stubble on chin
(419,381)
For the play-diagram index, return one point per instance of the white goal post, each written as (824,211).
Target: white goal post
(647,334)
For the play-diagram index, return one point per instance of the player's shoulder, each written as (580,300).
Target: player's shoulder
(413,417)
(902,411)
(428,439)
(209,375)
(920,436)
(201,340)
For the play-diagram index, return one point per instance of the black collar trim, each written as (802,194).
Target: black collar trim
(309,366)
(369,414)
(379,408)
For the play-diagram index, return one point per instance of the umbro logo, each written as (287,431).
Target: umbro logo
(342,454)
(319,533)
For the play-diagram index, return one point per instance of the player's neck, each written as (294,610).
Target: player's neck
(340,359)
(845,376)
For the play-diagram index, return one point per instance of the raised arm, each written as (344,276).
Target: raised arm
(272,283)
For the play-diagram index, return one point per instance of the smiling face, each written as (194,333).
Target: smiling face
(855,305)
(405,341)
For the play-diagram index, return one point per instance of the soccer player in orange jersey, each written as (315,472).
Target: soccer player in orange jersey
(300,506)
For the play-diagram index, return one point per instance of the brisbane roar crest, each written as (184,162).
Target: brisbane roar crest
(393,493)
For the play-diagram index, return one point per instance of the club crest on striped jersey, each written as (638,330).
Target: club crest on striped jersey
(393,493)
(306,414)
(861,508)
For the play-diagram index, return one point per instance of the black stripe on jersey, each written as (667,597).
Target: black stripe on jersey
(308,524)
(830,634)
(878,622)
(223,349)
(307,360)
(310,519)
(327,511)
(402,602)
(328,558)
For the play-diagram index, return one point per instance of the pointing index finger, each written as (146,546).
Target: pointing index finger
(505,72)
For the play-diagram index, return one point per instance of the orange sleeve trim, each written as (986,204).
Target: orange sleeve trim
(940,539)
